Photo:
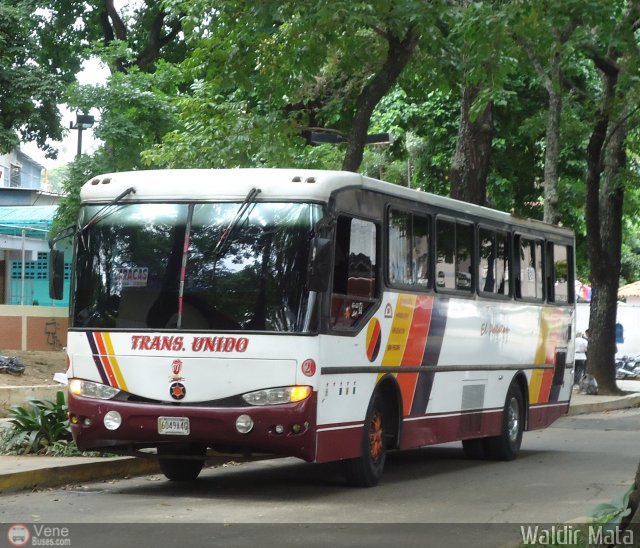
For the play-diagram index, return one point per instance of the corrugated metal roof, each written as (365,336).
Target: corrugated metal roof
(630,290)
(14,218)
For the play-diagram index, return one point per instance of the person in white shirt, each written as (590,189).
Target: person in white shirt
(580,356)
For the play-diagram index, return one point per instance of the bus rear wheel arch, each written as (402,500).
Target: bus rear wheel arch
(506,445)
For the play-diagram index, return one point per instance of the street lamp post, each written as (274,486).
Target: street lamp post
(83,121)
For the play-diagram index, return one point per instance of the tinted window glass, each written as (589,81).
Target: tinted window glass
(464,247)
(493,269)
(408,249)
(530,281)
(128,266)
(251,274)
(256,279)
(454,244)
(445,257)
(399,247)
(560,274)
(355,276)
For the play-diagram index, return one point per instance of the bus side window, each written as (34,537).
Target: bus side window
(408,261)
(530,276)
(341,264)
(355,284)
(558,276)
(399,247)
(362,260)
(493,266)
(421,250)
(454,244)
(503,264)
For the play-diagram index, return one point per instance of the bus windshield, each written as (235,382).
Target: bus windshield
(194,266)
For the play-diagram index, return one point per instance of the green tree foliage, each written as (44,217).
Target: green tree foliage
(148,114)
(32,79)
(267,74)
(136,106)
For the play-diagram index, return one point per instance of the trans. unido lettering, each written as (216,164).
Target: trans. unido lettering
(198,344)
(219,344)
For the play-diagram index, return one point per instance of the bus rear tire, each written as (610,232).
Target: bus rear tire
(366,470)
(506,445)
(181,469)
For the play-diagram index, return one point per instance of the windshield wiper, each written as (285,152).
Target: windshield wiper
(72,231)
(242,210)
(102,212)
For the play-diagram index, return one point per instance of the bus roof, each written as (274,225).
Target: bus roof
(274,184)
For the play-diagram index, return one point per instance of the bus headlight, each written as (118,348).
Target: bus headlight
(90,389)
(274,396)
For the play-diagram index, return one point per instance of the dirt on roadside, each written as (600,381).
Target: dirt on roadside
(40,367)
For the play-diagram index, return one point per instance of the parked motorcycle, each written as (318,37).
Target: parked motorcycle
(628,367)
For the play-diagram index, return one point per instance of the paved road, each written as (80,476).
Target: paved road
(562,473)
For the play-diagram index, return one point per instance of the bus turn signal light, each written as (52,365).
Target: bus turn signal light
(299,393)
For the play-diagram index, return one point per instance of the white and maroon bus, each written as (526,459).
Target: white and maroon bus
(316,314)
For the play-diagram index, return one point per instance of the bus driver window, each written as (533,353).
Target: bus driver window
(354,273)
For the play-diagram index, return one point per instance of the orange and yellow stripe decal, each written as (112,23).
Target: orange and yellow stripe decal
(105,359)
(407,341)
(552,324)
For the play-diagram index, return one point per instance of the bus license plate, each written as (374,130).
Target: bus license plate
(174,426)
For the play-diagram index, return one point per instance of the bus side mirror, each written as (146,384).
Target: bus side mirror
(56,274)
(319,264)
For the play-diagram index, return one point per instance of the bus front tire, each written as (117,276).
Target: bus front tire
(506,445)
(181,469)
(366,470)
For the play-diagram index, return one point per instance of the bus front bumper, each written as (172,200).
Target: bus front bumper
(285,429)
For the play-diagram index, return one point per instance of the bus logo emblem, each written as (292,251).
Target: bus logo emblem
(176,366)
(177,391)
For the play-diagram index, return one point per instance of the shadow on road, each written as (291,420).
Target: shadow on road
(291,479)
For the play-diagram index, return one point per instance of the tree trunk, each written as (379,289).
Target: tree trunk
(551,211)
(470,165)
(398,55)
(605,193)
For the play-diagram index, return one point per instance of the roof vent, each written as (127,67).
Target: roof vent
(95,182)
(296,179)
(310,180)
(106,181)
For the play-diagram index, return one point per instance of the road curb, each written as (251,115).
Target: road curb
(101,470)
(77,473)
(624,402)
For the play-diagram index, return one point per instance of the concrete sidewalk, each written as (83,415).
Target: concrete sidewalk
(31,472)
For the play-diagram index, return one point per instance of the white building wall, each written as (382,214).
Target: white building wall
(628,316)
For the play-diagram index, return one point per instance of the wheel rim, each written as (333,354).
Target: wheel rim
(513,420)
(375,436)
